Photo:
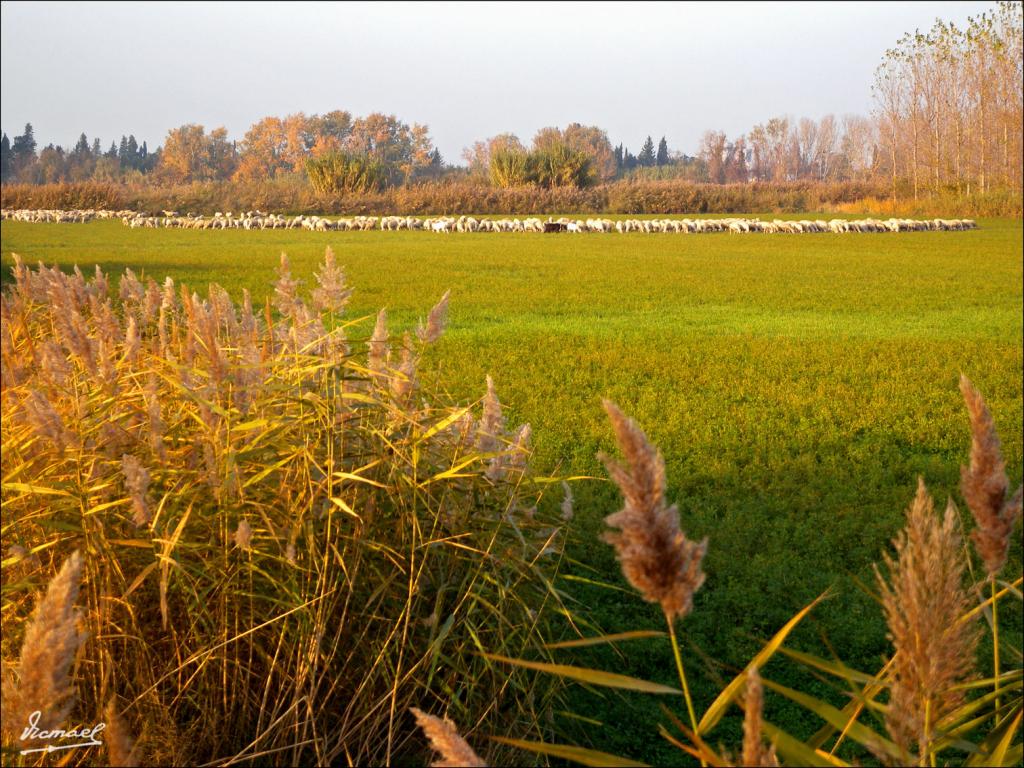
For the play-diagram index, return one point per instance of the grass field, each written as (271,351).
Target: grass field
(797,386)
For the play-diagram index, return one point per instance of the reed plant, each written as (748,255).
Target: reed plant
(929,704)
(272,538)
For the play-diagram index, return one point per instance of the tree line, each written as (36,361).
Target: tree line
(947,118)
(85,161)
(949,105)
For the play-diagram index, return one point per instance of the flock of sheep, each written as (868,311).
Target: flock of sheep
(447,224)
(61,217)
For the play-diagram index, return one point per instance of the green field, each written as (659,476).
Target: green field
(797,385)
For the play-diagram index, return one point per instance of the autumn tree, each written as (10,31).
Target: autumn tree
(262,152)
(712,152)
(593,142)
(189,154)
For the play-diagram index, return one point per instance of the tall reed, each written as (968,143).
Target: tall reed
(291,538)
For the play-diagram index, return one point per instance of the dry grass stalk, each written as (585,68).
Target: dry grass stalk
(446,741)
(755,754)
(984,485)
(656,557)
(924,601)
(121,746)
(51,641)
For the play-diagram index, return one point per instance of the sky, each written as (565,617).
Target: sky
(467,70)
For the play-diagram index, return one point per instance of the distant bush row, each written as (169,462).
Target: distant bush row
(645,197)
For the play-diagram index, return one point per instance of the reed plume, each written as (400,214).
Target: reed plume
(403,381)
(136,481)
(378,343)
(924,600)
(40,414)
(51,641)
(121,746)
(492,425)
(755,754)
(567,502)
(286,295)
(655,555)
(331,293)
(243,535)
(436,321)
(984,485)
(446,741)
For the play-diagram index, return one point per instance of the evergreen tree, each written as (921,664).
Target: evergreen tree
(133,152)
(646,157)
(618,158)
(97,150)
(629,162)
(112,152)
(23,150)
(82,147)
(662,158)
(5,158)
(122,151)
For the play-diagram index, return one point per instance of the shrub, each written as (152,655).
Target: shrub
(509,168)
(285,542)
(337,172)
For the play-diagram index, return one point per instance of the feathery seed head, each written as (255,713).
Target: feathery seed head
(655,555)
(984,485)
(243,535)
(378,343)
(286,297)
(436,321)
(924,600)
(136,481)
(566,502)
(121,747)
(492,426)
(51,641)
(446,741)
(755,754)
(331,293)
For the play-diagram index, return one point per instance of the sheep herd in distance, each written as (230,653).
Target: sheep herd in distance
(448,224)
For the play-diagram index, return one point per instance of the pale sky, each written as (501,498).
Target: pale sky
(468,70)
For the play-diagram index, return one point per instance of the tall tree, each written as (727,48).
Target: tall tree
(593,142)
(23,149)
(6,156)
(662,157)
(646,157)
(82,147)
(713,153)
